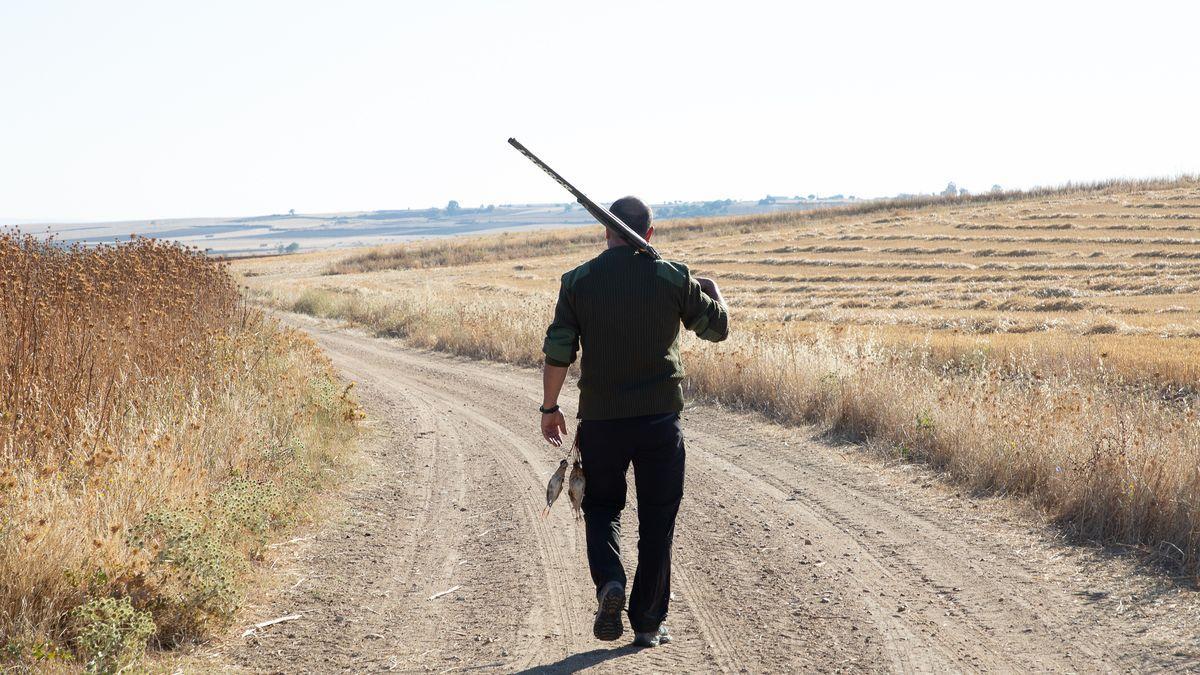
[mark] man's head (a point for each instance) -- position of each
(634, 213)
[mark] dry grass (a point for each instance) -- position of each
(1036, 356)
(442, 253)
(153, 432)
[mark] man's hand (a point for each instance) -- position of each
(553, 424)
(709, 287)
(554, 427)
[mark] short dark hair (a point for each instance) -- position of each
(634, 213)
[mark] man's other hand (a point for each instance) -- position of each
(554, 427)
(709, 287)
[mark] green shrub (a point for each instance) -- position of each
(110, 634)
(191, 572)
(247, 510)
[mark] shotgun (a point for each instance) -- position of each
(606, 218)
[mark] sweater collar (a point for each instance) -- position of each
(619, 250)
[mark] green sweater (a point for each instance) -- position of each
(625, 309)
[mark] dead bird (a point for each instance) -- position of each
(554, 487)
(575, 489)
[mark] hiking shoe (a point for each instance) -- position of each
(661, 636)
(608, 626)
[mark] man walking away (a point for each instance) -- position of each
(625, 308)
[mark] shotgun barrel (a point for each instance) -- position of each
(606, 218)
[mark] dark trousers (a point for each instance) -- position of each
(654, 444)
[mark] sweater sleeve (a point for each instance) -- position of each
(562, 337)
(702, 315)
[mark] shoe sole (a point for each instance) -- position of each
(608, 626)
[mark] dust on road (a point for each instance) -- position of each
(791, 555)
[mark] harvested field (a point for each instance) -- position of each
(1037, 355)
(987, 255)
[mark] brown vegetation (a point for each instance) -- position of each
(153, 432)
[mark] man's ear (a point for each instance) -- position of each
(649, 233)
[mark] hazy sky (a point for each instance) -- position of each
(114, 110)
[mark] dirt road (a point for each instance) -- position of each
(791, 555)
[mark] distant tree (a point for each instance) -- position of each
(997, 189)
(812, 196)
(452, 207)
(837, 196)
(490, 208)
(292, 247)
(291, 212)
(766, 201)
(963, 192)
(951, 190)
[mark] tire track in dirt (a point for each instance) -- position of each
(788, 557)
(553, 564)
(974, 596)
(976, 585)
(691, 614)
(482, 406)
(904, 642)
(520, 498)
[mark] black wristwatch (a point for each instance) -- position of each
(547, 411)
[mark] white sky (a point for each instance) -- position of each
(115, 110)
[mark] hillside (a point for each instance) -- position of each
(291, 232)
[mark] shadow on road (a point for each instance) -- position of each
(577, 662)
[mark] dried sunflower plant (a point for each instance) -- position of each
(154, 432)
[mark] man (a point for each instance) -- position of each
(625, 308)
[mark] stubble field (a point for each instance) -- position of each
(1042, 344)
